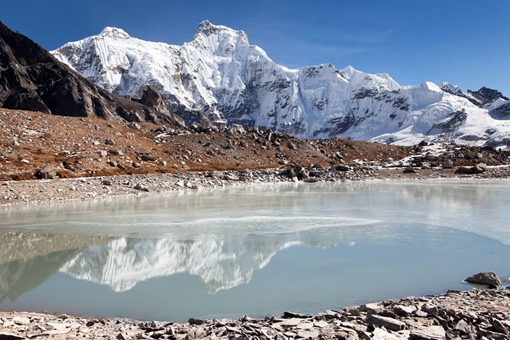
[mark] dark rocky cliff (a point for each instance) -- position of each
(486, 95)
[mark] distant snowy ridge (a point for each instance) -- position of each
(219, 77)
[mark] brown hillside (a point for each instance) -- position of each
(77, 147)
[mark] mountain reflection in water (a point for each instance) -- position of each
(220, 261)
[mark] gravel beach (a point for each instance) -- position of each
(474, 314)
(55, 190)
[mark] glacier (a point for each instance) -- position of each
(220, 78)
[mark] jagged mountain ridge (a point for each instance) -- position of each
(218, 76)
(483, 97)
(32, 79)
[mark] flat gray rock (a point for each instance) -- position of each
(386, 322)
(428, 333)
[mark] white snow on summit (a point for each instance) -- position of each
(219, 76)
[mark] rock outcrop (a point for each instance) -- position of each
(486, 96)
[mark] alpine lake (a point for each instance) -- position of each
(256, 250)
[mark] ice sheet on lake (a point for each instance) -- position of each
(223, 236)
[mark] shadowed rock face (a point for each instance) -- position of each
(502, 112)
(32, 79)
(486, 95)
(479, 98)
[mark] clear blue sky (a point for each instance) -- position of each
(466, 42)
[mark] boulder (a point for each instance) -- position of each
(405, 311)
(448, 164)
(383, 334)
(487, 278)
(229, 176)
(409, 170)
(463, 327)
(386, 322)
(288, 314)
(291, 172)
(291, 146)
(342, 168)
(501, 326)
(140, 187)
(465, 170)
(430, 157)
(471, 170)
(196, 322)
(47, 172)
(117, 152)
(371, 308)
(20, 320)
(237, 129)
(308, 334)
(10, 336)
(148, 157)
(479, 168)
(428, 333)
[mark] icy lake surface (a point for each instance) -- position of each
(256, 250)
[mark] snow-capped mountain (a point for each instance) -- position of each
(219, 77)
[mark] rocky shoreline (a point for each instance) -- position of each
(473, 314)
(56, 190)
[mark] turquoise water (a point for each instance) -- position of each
(257, 250)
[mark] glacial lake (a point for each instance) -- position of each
(256, 250)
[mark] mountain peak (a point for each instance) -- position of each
(207, 28)
(114, 32)
(491, 94)
(450, 88)
(430, 86)
(348, 70)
